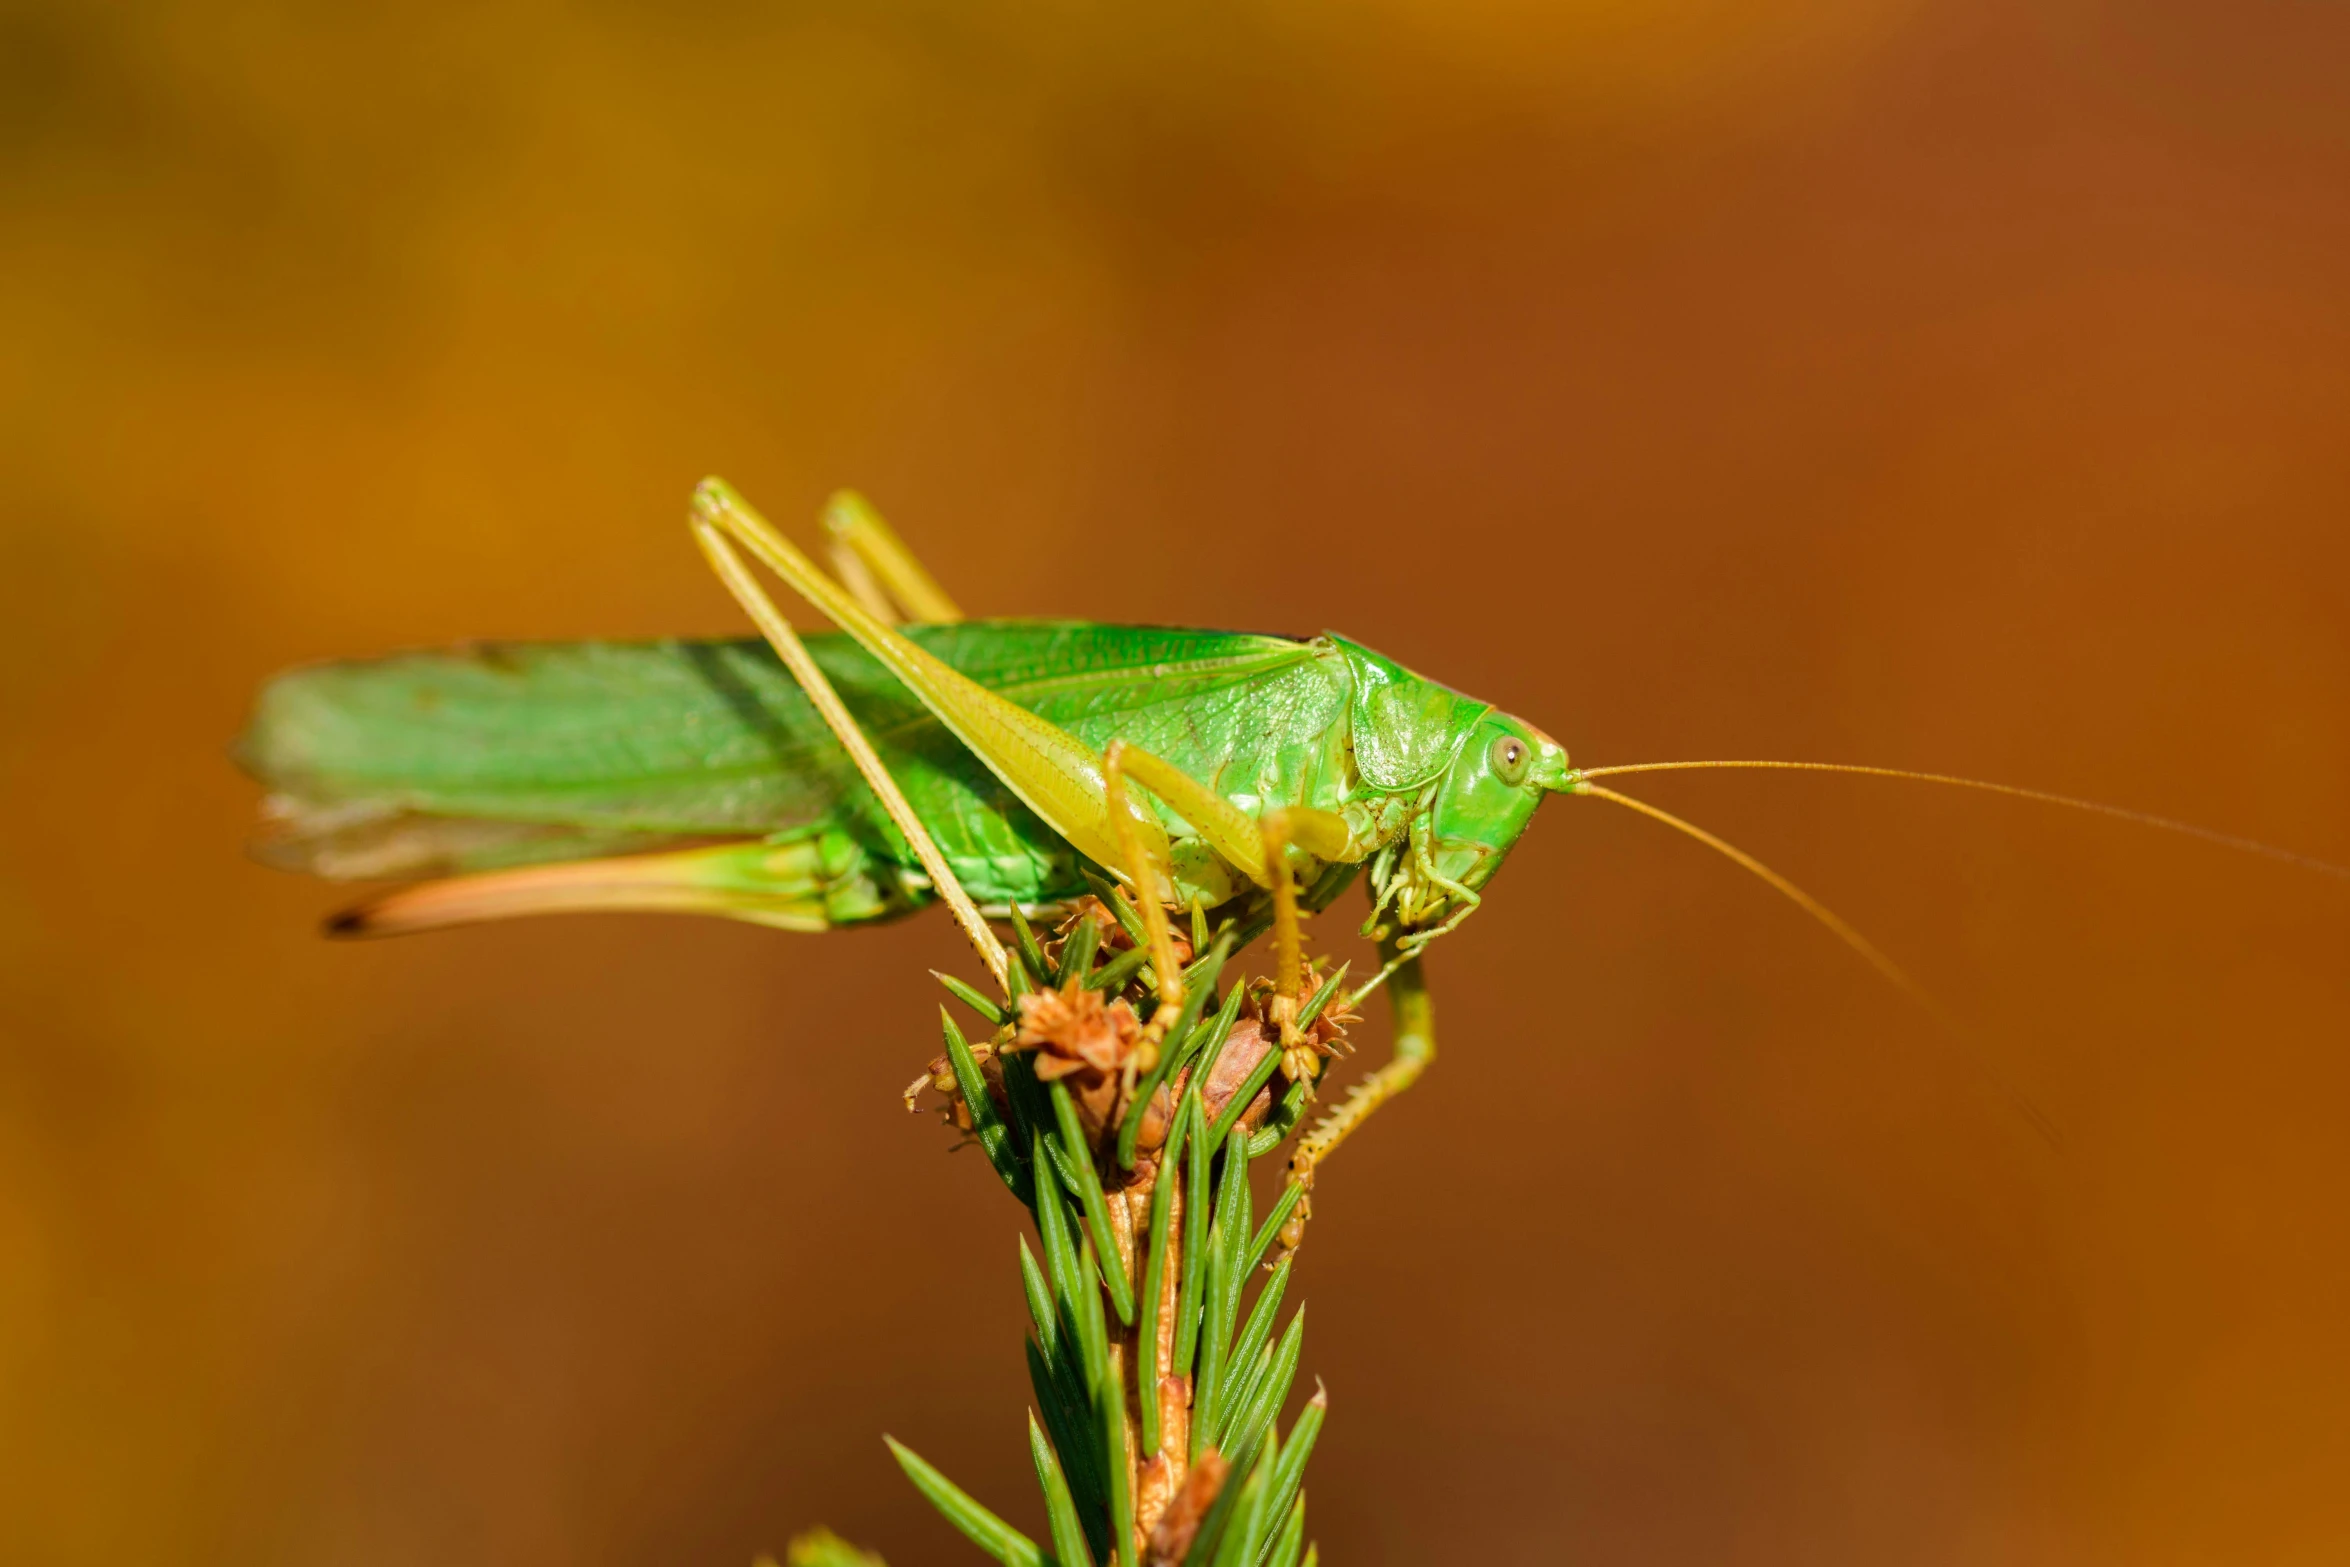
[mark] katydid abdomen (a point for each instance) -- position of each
(506, 755)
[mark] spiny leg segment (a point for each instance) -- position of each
(1415, 1047)
(1414, 1014)
(1415, 1035)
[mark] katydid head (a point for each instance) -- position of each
(1473, 814)
(1488, 795)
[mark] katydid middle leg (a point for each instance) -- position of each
(1259, 849)
(1415, 1047)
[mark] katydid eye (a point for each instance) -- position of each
(1510, 756)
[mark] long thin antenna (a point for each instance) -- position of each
(2042, 796)
(1844, 932)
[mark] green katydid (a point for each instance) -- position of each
(915, 756)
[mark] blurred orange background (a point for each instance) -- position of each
(1957, 386)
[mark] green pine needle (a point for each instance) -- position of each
(1093, 1333)
(1209, 1377)
(1254, 1521)
(1054, 1372)
(1245, 1527)
(1053, 1227)
(1211, 1049)
(1031, 955)
(1321, 998)
(1068, 1417)
(1249, 1362)
(1196, 1208)
(991, 1011)
(981, 1527)
(1114, 898)
(1112, 976)
(1283, 1206)
(1253, 1425)
(1154, 1278)
(1258, 1076)
(1283, 1119)
(1290, 1472)
(1238, 1232)
(1113, 1427)
(1077, 952)
(1283, 1552)
(1025, 1095)
(1040, 1300)
(1059, 1506)
(1097, 1208)
(987, 1126)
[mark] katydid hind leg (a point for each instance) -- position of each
(858, 578)
(787, 645)
(894, 578)
(1055, 774)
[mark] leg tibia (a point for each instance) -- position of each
(1415, 1047)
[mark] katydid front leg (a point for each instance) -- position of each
(1415, 1047)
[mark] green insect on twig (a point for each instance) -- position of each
(991, 766)
(813, 783)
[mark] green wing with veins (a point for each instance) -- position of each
(504, 754)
